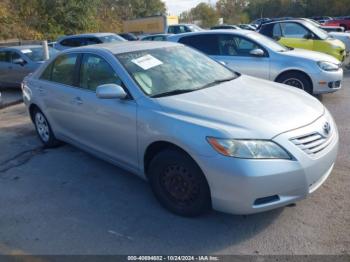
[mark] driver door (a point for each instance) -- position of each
(235, 53)
(296, 36)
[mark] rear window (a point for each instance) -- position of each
(207, 44)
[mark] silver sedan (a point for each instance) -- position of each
(253, 54)
(202, 135)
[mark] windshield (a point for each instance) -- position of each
(111, 38)
(317, 31)
(268, 42)
(36, 54)
(173, 70)
(195, 28)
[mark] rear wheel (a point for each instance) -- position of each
(43, 129)
(179, 184)
(296, 79)
(344, 26)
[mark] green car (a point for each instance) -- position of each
(303, 34)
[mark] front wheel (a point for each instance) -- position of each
(296, 79)
(43, 129)
(179, 184)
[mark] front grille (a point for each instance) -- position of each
(314, 143)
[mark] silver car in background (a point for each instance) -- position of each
(253, 54)
(71, 41)
(201, 134)
(18, 61)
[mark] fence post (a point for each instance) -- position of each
(46, 50)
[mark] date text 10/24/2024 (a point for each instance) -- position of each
(173, 258)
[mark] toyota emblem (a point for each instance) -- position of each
(326, 128)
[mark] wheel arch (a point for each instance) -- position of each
(32, 109)
(156, 147)
(294, 71)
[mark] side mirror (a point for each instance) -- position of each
(277, 38)
(19, 61)
(308, 36)
(257, 52)
(110, 91)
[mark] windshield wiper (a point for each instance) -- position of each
(182, 91)
(174, 92)
(216, 82)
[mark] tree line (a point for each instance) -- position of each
(244, 11)
(48, 19)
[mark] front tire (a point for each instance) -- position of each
(296, 79)
(179, 184)
(44, 130)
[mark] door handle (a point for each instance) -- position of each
(78, 101)
(41, 90)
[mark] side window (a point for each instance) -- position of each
(15, 56)
(235, 46)
(5, 57)
(293, 30)
(46, 75)
(95, 71)
(92, 41)
(171, 30)
(277, 33)
(72, 42)
(63, 70)
(207, 44)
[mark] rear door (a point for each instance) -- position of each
(4, 67)
(58, 89)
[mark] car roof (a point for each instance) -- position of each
(242, 32)
(125, 47)
(20, 47)
(86, 35)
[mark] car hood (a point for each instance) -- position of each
(246, 107)
(311, 55)
(340, 35)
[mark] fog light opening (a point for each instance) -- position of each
(266, 200)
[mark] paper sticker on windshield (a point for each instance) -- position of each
(26, 51)
(147, 61)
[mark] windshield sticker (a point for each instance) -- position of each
(26, 51)
(147, 61)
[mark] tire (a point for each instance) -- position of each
(44, 130)
(296, 79)
(179, 184)
(345, 27)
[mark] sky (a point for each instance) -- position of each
(175, 7)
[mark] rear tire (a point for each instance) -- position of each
(179, 184)
(296, 79)
(44, 130)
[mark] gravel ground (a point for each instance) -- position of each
(64, 201)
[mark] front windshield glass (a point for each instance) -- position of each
(195, 28)
(111, 38)
(173, 70)
(36, 54)
(317, 31)
(268, 42)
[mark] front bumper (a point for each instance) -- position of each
(241, 186)
(327, 81)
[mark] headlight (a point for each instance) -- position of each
(253, 149)
(328, 66)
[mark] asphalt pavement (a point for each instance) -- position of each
(65, 201)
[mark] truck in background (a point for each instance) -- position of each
(149, 25)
